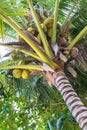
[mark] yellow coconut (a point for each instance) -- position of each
(17, 73)
(25, 74)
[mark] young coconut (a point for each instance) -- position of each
(48, 22)
(17, 73)
(25, 74)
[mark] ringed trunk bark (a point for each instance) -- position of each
(75, 105)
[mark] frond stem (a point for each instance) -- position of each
(32, 54)
(30, 67)
(42, 35)
(78, 37)
(30, 42)
(53, 40)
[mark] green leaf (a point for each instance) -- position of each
(13, 10)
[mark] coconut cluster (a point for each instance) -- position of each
(18, 73)
(62, 55)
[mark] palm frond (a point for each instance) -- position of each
(81, 59)
(36, 87)
(80, 17)
(79, 13)
(14, 9)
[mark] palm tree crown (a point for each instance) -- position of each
(47, 47)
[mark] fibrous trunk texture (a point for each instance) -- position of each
(75, 105)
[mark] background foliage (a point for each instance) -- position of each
(32, 104)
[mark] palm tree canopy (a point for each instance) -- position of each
(37, 45)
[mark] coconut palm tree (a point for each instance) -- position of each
(47, 47)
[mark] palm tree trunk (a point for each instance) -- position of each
(75, 105)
